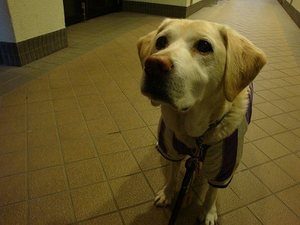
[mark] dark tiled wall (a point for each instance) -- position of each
(156, 9)
(165, 10)
(21, 53)
(293, 13)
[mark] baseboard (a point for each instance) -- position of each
(291, 11)
(24, 52)
(165, 10)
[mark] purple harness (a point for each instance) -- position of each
(229, 147)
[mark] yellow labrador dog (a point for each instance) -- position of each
(200, 73)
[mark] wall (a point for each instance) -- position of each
(6, 32)
(30, 29)
(296, 4)
(31, 18)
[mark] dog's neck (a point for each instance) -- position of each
(196, 122)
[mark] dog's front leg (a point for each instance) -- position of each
(165, 195)
(209, 212)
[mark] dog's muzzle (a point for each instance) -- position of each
(157, 72)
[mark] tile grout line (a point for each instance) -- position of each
(62, 155)
(98, 156)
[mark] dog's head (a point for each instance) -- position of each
(185, 61)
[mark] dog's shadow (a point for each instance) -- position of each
(150, 214)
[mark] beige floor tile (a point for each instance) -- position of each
(270, 126)
(62, 93)
(40, 107)
(12, 163)
(15, 98)
(47, 136)
(243, 183)
(65, 104)
(40, 121)
(270, 174)
(12, 189)
(254, 132)
(59, 83)
(72, 131)
(153, 129)
(291, 165)
(111, 93)
(46, 181)
(290, 197)
(269, 109)
(268, 95)
(131, 190)
(286, 106)
(119, 164)
(272, 148)
(227, 200)
(110, 143)
(12, 112)
(85, 90)
(156, 178)
(271, 211)
(53, 209)
(102, 126)
(110, 219)
(151, 117)
(125, 116)
(13, 126)
(95, 112)
(252, 156)
(13, 143)
(143, 155)
(89, 100)
(138, 138)
(144, 214)
(68, 117)
(289, 140)
(287, 121)
(38, 84)
(84, 172)
(92, 201)
(44, 156)
(39, 96)
(77, 149)
(14, 214)
(257, 114)
(235, 218)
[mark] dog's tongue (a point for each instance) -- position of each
(154, 103)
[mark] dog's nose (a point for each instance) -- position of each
(158, 65)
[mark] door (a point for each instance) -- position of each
(79, 10)
(73, 11)
(100, 7)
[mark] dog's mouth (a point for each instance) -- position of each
(157, 102)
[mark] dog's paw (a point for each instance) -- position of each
(209, 218)
(163, 198)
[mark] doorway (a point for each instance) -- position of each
(79, 10)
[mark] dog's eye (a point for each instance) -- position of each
(204, 46)
(161, 42)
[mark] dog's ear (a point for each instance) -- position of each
(243, 62)
(144, 45)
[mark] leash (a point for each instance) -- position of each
(191, 165)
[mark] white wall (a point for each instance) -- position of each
(6, 30)
(32, 18)
(296, 4)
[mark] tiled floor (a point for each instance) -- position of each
(77, 137)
